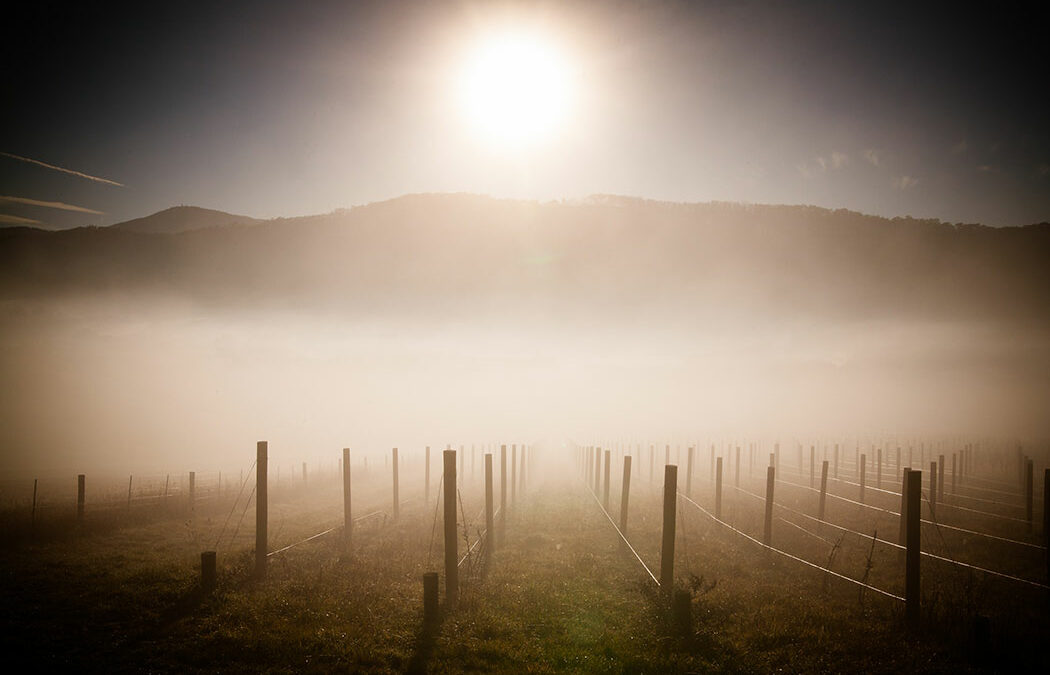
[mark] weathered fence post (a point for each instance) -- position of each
(770, 480)
(208, 571)
(193, 489)
(513, 473)
(878, 469)
(129, 491)
(605, 489)
(933, 490)
(1028, 489)
(430, 598)
(689, 472)
(260, 509)
(954, 480)
(718, 488)
(667, 548)
(863, 467)
(80, 497)
(682, 612)
(902, 536)
(736, 477)
(940, 479)
(397, 499)
(1046, 517)
(911, 573)
(348, 521)
(490, 532)
(823, 489)
(426, 476)
(521, 475)
(451, 558)
(836, 461)
(812, 465)
(625, 492)
(597, 470)
(502, 492)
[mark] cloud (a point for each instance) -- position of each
(58, 168)
(905, 182)
(873, 156)
(8, 219)
(839, 160)
(49, 205)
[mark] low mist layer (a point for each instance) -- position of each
(435, 319)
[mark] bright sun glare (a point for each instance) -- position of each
(515, 90)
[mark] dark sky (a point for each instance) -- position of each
(280, 109)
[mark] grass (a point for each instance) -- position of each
(561, 595)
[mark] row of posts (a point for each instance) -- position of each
(910, 520)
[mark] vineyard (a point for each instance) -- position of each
(638, 557)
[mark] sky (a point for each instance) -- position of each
(281, 109)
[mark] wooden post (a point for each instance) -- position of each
(502, 492)
(902, 537)
(689, 472)
(912, 555)
(897, 471)
(513, 473)
(426, 476)
(451, 551)
(129, 491)
(490, 531)
(521, 473)
(770, 480)
(304, 474)
(736, 476)
(208, 571)
(397, 498)
(1046, 517)
(682, 612)
(260, 509)
(625, 492)
(718, 488)
(597, 470)
(933, 490)
(878, 469)
(862, 468)
(193, 489)
(80, 497)
(348, 521)
(1028, 493)
(605, 489)
(430, 598)
(667, 549)
(836, 461)
(940, 478)
(823, 489)
(812, 464)
(954, 480)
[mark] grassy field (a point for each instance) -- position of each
(561, 595)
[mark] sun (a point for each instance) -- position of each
(515, 90)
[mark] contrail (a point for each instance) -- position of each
(49, 205)
(8, 219)
(58, 168)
